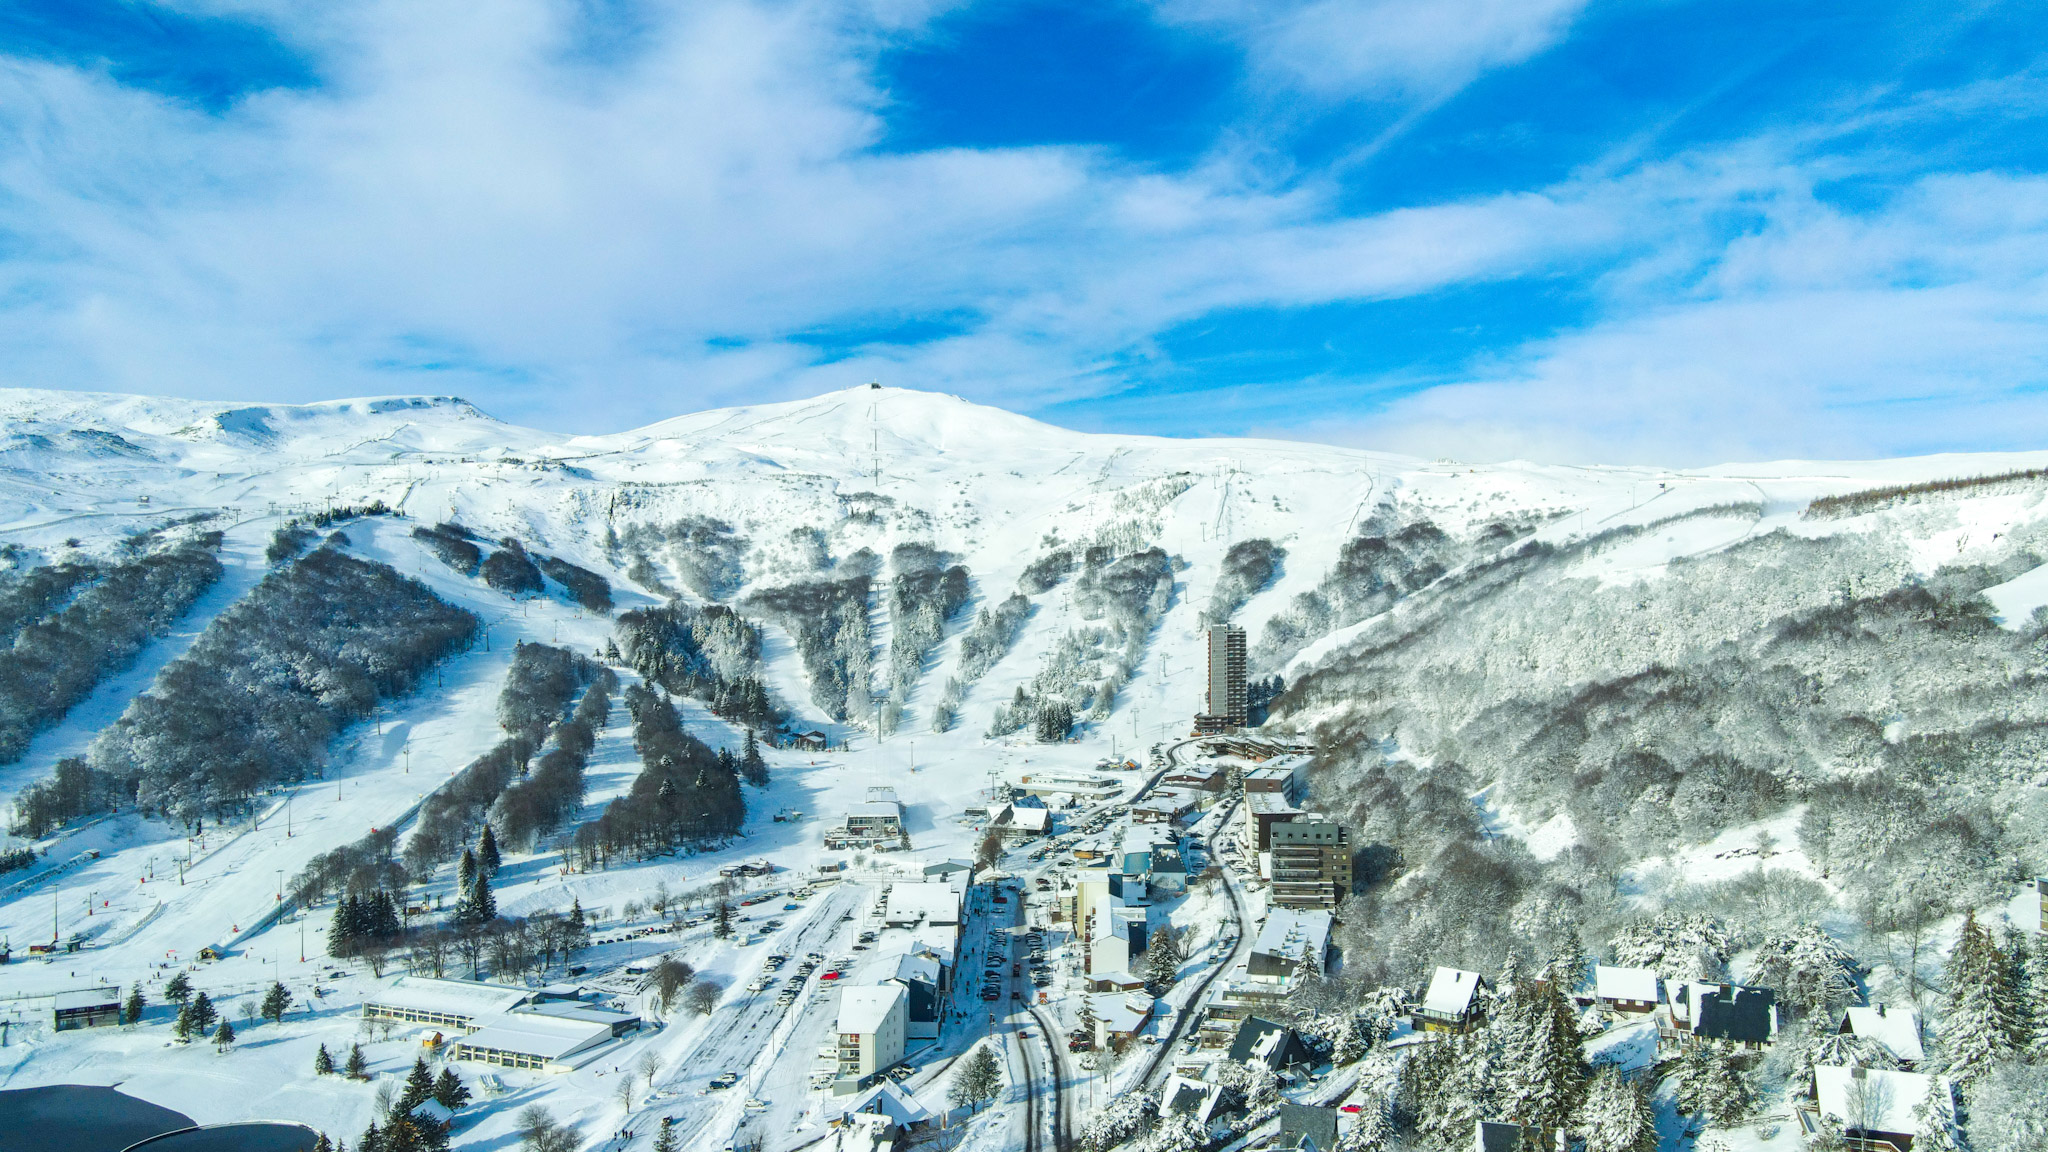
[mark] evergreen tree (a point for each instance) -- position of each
(1711, 1088)
(419, 1087)
(1467, 1094)
(1372, 1130)
(323, 1144)
(372, 1139)
(1616, 1115)
(224, 1036)
(1571, 966)
(178, 989)
(203, 1014)
(131, 1009)
(1543, 1070)
(465, 872)
(1162, 962)
(356, 1065)
(275, 1002)
(578, 936)
(487, 858)
(450, 1090)
(1983, 1024)
(323, 1062)
(665, 1139)
(344, 932)
(478, 905)
(183, 1027)
(1935, 1122)
(752, 766)
(721, 924)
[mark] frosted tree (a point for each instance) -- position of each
(1372, 1130)
(2009, 1109)
(2035, 977)
(1710, 1087)
(1616, 1115)
(1934, 1121)
(1542, 1075)
(1982, 1024)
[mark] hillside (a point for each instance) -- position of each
(1547, 700)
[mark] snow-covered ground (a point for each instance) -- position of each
(993, 490)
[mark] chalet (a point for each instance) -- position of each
(1728, 1012)
(1163, 806)
(1198, 778)
(1875, 1108)
(91, 1008)
(1628, 991)
(1120, 1016)
(1898, 1029)
(1453, 1002)
(1187, 1096)
(1022, 820)
(1278, 1047)
(812, 741)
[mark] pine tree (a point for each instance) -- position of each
(356, 1065)
(450, 1090)
(1935, 1122)
(224, 1036)
(665, 1140)
(372, 1139)
(323, 1062)
(1162, 962)
(419, 1086)
(1373, 1130)
(275, 1002)
(1617, 1115)
(1983, 1024)
(178, 989)
(752, 766)
(579, 928)
(131, 1010)
(344, 931)
(1571, 966)
(203, 1014)
(183, 1027)
(487, 858)
(1710, 1087)
(1547, 1072)
(323, 1144)
(465, 872)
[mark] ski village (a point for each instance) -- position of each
(882, 772)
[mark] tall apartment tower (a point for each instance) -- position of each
(1224, 706)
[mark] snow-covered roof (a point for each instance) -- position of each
(877, 808)
(1873, 1099)
(1625, 983)
(434, 1110)
(577, 1011)
(891, 1101)
(918, 966)
(935, 902)
(1898, 1029)
(1287, 932)
(1122, 1011)
(542, 1037)
(454, 997)
(864, 1010)
(1450, 991)
(1185, 1094)
(86, 998)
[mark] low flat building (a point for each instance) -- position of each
(455, 1004)
(1120, 1015)
(1088, 786)
(88, 1008)
(533, 1040)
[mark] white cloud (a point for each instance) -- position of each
(1387, 48)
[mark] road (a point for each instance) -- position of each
(754, 1036)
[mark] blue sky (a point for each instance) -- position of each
(1559, 229)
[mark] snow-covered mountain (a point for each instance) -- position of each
(1546, 698)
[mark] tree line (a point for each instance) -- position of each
(258, 697)
(685, 794)
(711, 654)
(59, 654)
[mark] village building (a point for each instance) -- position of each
(460, 1005)
(1204, 778)
(1307, 1128)
(1163, 806)
(555, 1041)
(872, 1026)
(877, 823)
(1225, 703)
(1878, 1109)
(1627, 991)
(1897, 1029)
(1280, 1048)
(1747, 1017)
(1285, 937)
(1051, 784)
(1021, 820)
(1263, 810)
(921, 977)
(1289, 780)
(1452, 1002)
(1309, 862)
(1120, 1016)
(87, 1008)
(1188, 1096)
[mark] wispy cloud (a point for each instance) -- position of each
(595, 214)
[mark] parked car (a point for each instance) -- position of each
(724, 1080)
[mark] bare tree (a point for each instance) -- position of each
(650, 1064)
